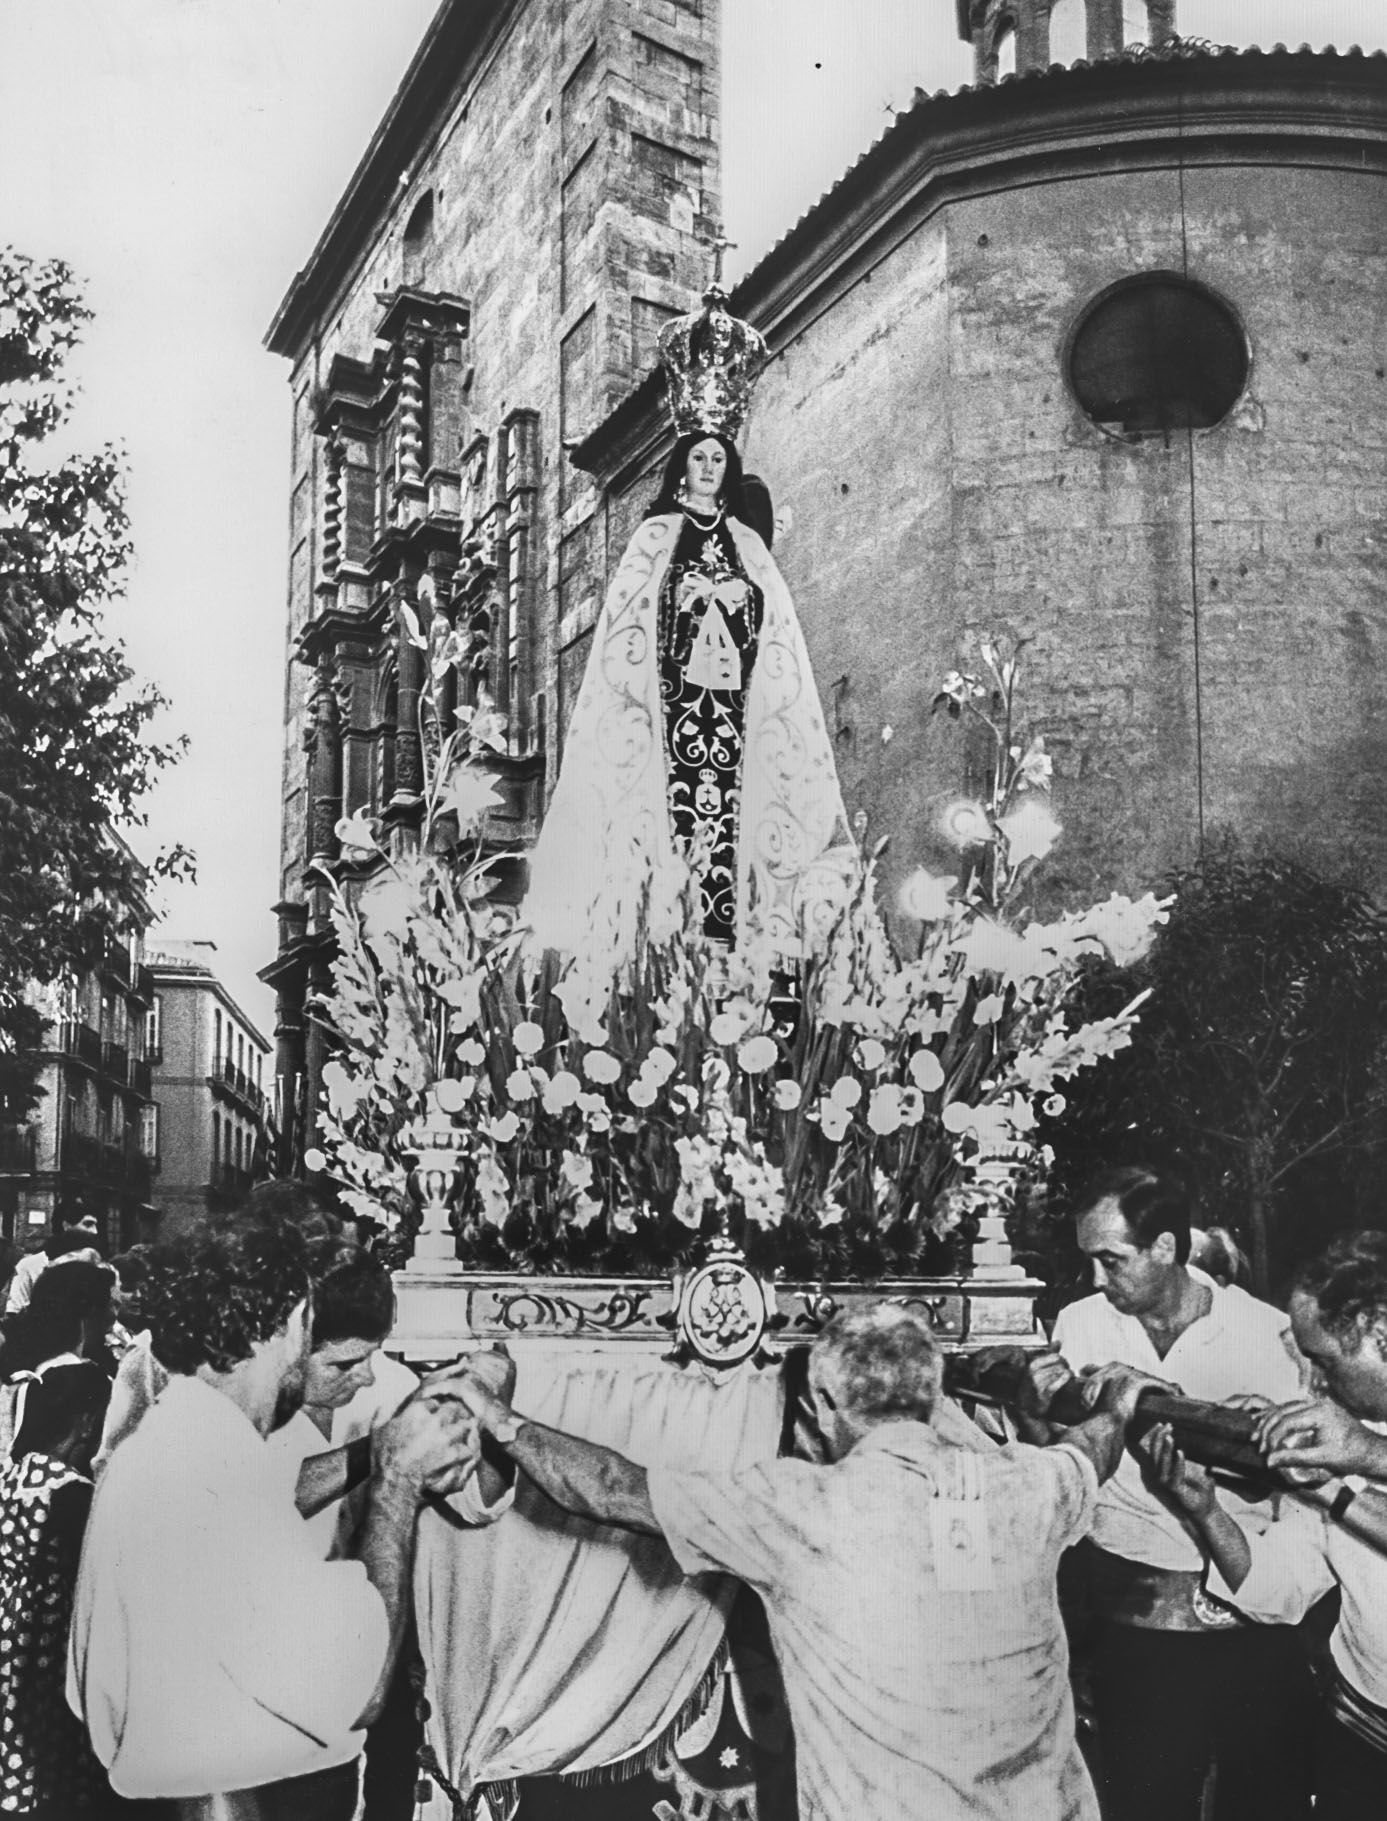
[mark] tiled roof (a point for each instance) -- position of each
(930, 111)
(927, 104)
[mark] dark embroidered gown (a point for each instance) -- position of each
(709, 630)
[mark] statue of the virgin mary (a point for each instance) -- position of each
(697, 730)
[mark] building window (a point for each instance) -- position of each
(1136, 23)
(216, 1041)
(417, 238)
(216, 1138)
(154, 1031)
(1004, 50)
(1158, 353)
(149, 1132)
(1068, 31)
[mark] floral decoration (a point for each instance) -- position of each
(844, 1122)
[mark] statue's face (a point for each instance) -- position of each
(703, 477)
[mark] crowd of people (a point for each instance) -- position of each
(212, 1474)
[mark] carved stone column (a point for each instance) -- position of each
(290, 982)
(324, 739)
(412, 408)
(1105, 30)
(409, 768)
(332, 508)
(519, 566)
(1160, 16)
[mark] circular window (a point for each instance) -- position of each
(1158, 353)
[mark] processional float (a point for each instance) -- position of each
(695, 1104)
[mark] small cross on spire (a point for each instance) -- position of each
(719, 244)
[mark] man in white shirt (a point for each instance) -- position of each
(215, 1657)
(909, 1580)
(351, 1390)
(78, 1240)
(1335, 1532)
(1179, 1679)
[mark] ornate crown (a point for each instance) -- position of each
(711, 361)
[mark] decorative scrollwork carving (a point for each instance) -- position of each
(817, 1308)
(525, 1309)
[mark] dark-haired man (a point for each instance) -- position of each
(1179, 1679)
(909, 1580)
(1334, 1446)
(215, 1657)
(77, 1238)
(351, 1391)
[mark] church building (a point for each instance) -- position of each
(537, 203)
(1092, 353)
(1095, 357)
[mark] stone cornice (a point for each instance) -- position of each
(1162, 111)
(293, 960)
(332, 626)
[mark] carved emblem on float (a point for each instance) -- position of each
(724, 1308)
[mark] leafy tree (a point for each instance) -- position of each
(76, 754)
(1260, 1063)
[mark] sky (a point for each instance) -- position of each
(184, 156)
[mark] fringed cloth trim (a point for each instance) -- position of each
(502, 1798)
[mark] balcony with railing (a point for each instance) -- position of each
(239, 1086)
(82, 1155)
(227, 1180)
(119, 1163)
(115, 961)
(81, 1041)
(136, 1173)
(115, 1062)
(19, 1150)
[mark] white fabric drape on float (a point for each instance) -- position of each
(555, 1645)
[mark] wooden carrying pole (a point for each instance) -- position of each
(1210, 1434)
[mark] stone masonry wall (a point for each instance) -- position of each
(934, 477)
(575, 187)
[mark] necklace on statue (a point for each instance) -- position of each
(702, 524)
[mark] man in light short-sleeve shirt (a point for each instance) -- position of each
(909, 1581)
(213, 1651)
(1228, 1693)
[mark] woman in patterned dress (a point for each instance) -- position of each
(68, 1319)
(47, 1769)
